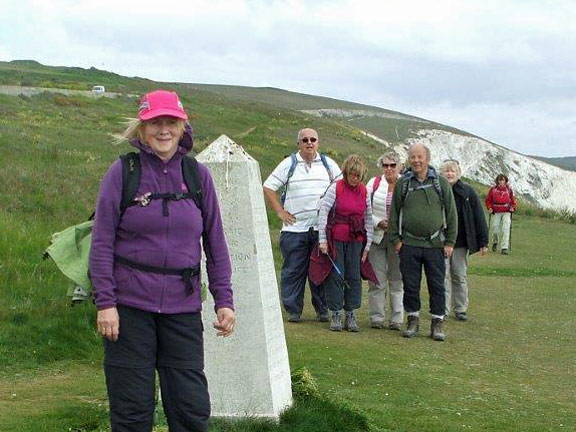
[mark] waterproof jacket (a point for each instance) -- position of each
(471, 219)
(147, 236)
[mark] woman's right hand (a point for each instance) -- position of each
(108, 323)
(323, 247)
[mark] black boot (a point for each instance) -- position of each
(436, 332)
(412, 327)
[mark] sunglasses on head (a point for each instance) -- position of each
(311, 139)
(390, 165)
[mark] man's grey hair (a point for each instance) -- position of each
(390, 155)
(302, 130)
(428, 155)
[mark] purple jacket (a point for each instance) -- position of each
(144, 235)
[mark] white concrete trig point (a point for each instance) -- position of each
(248, 373)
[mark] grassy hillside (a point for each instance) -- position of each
(507, 369)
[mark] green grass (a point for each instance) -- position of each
(509, 368)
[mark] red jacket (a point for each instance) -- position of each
(500, 199)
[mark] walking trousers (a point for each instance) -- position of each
(296, 248)
(500, 229)
(172, 344)
(386, 265)
(456, 282)
(412, 259)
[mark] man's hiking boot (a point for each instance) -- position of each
(322, 317)
(494, 247)
(436, 332)
(505, 252)
(412, 327)
(377, 325)
(395, 326)
(294, 317)
(350, 323)
(461, 316)
(336, 321)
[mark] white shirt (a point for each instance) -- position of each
(306, 186)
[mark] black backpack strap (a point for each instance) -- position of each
(192, 180)
(130, 179)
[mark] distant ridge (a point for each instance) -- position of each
(567, 163)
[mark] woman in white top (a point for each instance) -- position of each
(384, 260)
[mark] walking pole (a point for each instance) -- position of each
(338, 271)
(510, 236)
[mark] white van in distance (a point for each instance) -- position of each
(98, 89)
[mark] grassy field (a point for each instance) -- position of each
(510, 368)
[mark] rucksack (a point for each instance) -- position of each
(406, 189)
(70, 248)
(501, 197)
(293, 163)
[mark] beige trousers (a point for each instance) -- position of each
(500, 229)
(386, 265)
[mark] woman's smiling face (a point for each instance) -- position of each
(162, 135)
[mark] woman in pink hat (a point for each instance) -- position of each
(144, 266)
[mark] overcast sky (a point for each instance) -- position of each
(503, 70)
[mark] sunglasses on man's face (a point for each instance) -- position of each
(390, 165)
(312, 140)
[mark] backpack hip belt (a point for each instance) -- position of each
(187, 273)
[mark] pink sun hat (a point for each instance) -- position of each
(161, 103)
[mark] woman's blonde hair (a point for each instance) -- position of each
(354, 164)
(452, 165)
(135, 129)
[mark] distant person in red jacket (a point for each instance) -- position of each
(501, 204)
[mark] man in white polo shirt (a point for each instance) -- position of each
(304, 176)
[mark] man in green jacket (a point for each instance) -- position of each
(423, 227)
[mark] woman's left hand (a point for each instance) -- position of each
(364, 255)
(226, 322)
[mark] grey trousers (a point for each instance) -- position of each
(386, 265)
(456, 281)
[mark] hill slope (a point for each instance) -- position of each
(265, 121)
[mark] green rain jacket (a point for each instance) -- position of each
(70, 251)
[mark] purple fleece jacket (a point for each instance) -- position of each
(144, 235)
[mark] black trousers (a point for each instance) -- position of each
(172, 344)
(412, 259)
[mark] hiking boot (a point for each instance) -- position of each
(336, 321)
(505, 252)
(461, 316)
(294, 317)
(377, 325)
(395, 326)
(436, 332)
(412, 327)
(494, 247)
(322, 317)
(350, 323)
